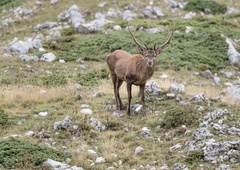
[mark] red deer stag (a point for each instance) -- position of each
(133, 69)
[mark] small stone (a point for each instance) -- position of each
(43, 114)
(116, 114)
(170, 95)
(164, 167)
(198, 98)
(175, 147)
(223, 167)
(29, 133)
(163, 76)
(175, 87)
(126, 129)
(138, 108)
(207, 74)
(43, 91)
(75, 127)
(86, 111)
(98, 126)
(152, 88)
(179, 166)
(84, 106)
(145, 129)
(217, 80)
(138, 150)
(61, 61)
(92, 152)
(228, 74)
(100, 160)
(117, 28)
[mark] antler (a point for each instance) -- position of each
(167, 41)
(136, 41)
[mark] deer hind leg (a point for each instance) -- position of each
(142, 88)
(129, 90)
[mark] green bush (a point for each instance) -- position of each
(3, 117)
(195, 156)
(201, 5)
(15, 153)
(54, 80)
(68, 31)
(178, 115)
(6, 4)
(209, 48)
(92, 77)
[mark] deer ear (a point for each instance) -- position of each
(141, 49)
(158, 50)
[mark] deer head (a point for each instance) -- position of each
(149, 54)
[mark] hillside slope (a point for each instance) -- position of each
(57, 102)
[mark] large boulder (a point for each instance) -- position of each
(233, 54)
(152, 88)
(27, 58)
(178, 88)
(65, 124)
(234, 92)
(49, 57)
(55, 165)
(46, 25)
(21, 47)
(73, 15)
(97, 125)
(128, 15)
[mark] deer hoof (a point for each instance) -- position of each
(123, 108)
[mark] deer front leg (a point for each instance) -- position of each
(115, 82)
(119, 101)
(142, 88)
(129, 90)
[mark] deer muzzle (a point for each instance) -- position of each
(149, 63)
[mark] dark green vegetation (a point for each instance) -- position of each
(92, 77)
(209, 46)
(21, 84)
(16, 153)
(177, 115)
(202, 5)
(3, 117)
(53, 80)
(7, 4)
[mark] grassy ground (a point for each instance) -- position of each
(29, 88)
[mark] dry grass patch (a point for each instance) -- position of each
(194, 85)
(22, 96)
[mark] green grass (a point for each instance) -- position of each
(203, 48)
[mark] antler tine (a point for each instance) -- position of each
(134, 38)
(168, 40)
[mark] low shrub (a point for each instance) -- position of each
(15, 153)
(178, 115)
(54, 80)
(3, 117)
(92, 77)
(195, 156)
(201, 5)
(7, 4)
